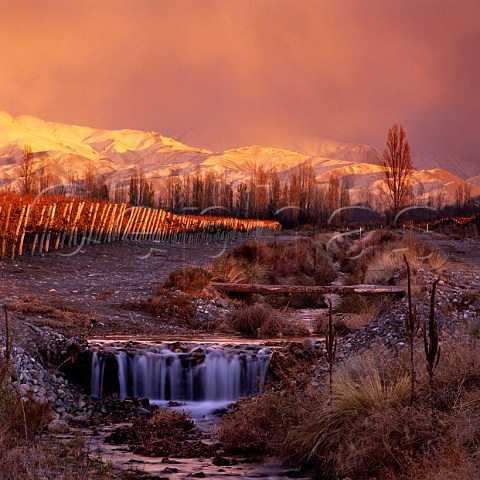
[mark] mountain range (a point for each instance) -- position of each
(70, 150)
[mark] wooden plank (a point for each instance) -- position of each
(279, 289)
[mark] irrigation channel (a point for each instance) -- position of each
(203, 378)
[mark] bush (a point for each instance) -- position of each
(364, 399)
(260, 425)
(190, 279)
(261, 319)
(173, 307)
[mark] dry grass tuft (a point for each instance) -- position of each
(260, 425)
(382, 267)
(54, 314)
(363, 398)
(27, 453)
(228, 269)
(352, 313)
(263, 320)
(189, 279)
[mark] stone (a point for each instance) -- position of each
(23, 389)
(58, 426)
(79, 419)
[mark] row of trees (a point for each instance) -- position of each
(293, 199)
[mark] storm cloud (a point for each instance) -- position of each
(226, 73)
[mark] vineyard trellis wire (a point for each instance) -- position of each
(33, 225)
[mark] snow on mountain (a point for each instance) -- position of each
(463, 168)
(475, 180)
(357, 153)
(70, 149)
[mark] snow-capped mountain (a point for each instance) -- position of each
(69, 150)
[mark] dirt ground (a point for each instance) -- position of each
(98, 279)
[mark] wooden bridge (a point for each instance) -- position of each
(301, 289)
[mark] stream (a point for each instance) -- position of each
(203, 377)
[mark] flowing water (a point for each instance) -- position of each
(204, 375)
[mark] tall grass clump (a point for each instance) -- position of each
(191, 279)
(262, 320)
(355, 430)
(229, 269)
(260, 425)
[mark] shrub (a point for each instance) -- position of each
(261, 319)
(18, 417)
(353, 304)
(228, 269)
(174, 307)
(260, 424)
(27, 454)
(363, 397)
(189, 279)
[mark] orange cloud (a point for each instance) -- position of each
(254, 71)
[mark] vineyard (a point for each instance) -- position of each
(30, 225)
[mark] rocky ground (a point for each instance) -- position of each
(457, 298)
(99, 279)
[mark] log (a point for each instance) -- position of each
(300, 289)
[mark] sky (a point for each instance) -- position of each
(227, 73)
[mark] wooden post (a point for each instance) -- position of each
(92, 225)
(61, 227)
(35, 238)
(17, 231)
(99, 230)
(111, 223)
(143, 224)
(73, 233)
(5, 232)
(50, 214)
(131, 218)
(49, 231)
(67, 224)
(8, 347)
(24, 229)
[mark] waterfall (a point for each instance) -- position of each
(207, 374)
(98, 370)
(122, 374)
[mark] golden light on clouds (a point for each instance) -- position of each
(225, 73)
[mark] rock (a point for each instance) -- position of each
(23, 389)
(66, 417)
(79, 419)
(39, 399)
(223, 462)
(58, 426)
(52, 415)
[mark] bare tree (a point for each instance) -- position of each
(27, 170)
(397, 169)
